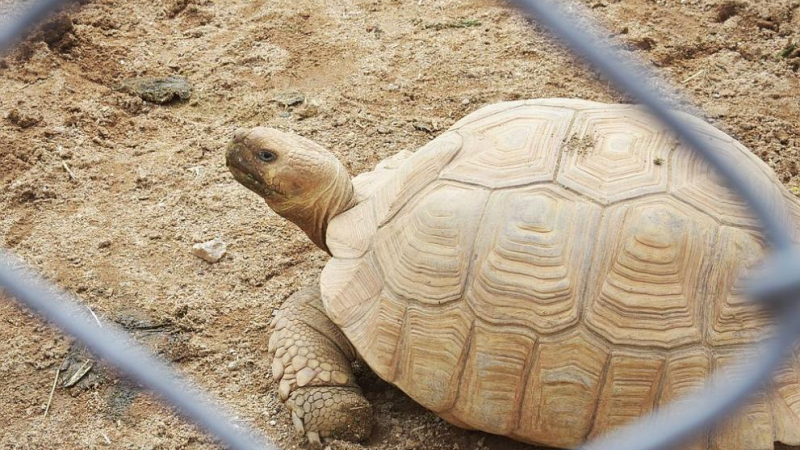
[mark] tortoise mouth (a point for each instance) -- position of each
(240, 171)
(249, 181)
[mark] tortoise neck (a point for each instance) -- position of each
(313, 212)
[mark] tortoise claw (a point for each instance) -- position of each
(284, 389)
(313, 438)
(298, 423)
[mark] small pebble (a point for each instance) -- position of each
(425, 126)
(308, 111)
(54, 131)
(273, 422)
(211, 251)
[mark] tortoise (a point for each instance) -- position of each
(546, 270)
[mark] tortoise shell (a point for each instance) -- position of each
(551, 269)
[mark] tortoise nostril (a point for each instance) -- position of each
(239, 134)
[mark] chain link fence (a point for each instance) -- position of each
(777, 285)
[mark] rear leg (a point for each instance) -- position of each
(312, 366)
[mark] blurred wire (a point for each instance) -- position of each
(13, 29)
(119, 349)
(688, 417)
(620, 71)
(682, 420)
(108, 342)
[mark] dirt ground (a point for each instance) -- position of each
(106, 194)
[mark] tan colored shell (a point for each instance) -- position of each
(550, 269)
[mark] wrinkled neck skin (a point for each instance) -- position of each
(314, 210)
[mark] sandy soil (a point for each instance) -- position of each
(106, 194)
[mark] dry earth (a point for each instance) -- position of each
(106, 194)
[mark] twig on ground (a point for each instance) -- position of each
(69, 171)
(52, 390)
(95, 316)
(82, 371)
(697, 74)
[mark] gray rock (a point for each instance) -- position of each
(158, 90)
(287, 99)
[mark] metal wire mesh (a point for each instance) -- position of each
(663, 430)
(107, 341)
(118, 348)
(684, 418)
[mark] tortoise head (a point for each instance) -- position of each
(298, 178)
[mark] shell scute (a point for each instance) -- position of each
(647, 284)
(431, 358)
(735, 319)
(630, 390)
(751, 427)
(350, 234)
(685, 374)
(416, 173)
(562, 391)
(786, 401)
(513, 147)
(695, 182)
(426, 250)
(377, 333)
(617, 154)
(494, 375)
(536, 242)
(349, 288)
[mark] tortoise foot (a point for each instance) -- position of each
(335, 412)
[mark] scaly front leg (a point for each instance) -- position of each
(312, 365)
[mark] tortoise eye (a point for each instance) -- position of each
(267, 156)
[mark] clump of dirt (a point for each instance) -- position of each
(106, 194)
(726, 10)
(57, 31)
(580, 145)
(23, 119)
